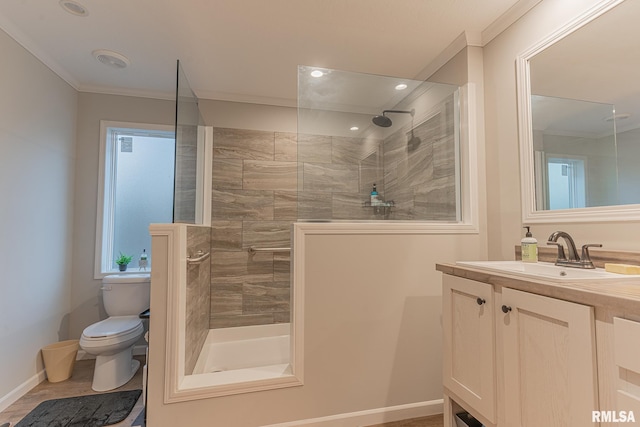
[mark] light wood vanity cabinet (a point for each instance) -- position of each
(514, 358)
(549, 354)
(469, 343)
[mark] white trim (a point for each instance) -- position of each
(176, 270)
(443, 57)
(371, 416)
(384, 227)
(515, 12)
(530, 214)
(124, 91)
(15, 394)
(469, 159)
(105, 190)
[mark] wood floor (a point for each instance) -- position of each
(431, 421)
(78, 385)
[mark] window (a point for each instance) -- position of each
(567, 184)
(135, 189)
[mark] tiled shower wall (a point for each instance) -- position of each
(255, 199)
(256, 175)
(197, 295)
(420, 170)
(184, 205)
(253, 204)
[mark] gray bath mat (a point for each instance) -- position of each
(95, 410)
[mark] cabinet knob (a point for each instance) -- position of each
(480, 301)
(506, 309)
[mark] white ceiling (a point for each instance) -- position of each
(247, 50)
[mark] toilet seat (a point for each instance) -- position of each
(113, 330)
(112, 326)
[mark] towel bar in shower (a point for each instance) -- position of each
(253, 249)
(200, 256)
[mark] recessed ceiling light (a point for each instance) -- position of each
(111, 58)
(401, 86)
(317, 73)
(354, 128)
(74, 8)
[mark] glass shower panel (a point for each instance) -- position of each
(189, 127)
(357, 132)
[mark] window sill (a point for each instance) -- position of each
(102, 274)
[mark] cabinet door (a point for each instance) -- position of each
(549, 361)
(469, 343)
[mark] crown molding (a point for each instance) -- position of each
(445, 56)
(28, 44)
(505, 20)
(121, 91)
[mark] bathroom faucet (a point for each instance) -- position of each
(572, 260)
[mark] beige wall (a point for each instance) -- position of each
(37, 142)
(238, 115)
(372, 336)
(86, 305)
(503, 183)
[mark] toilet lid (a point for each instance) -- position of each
(112, 326)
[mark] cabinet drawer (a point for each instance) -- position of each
(626, 349)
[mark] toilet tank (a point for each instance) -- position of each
(126, 294)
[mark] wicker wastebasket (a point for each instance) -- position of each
(59, 359)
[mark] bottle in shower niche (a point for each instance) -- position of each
(375, 200)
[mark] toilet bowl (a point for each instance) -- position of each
(112, 340)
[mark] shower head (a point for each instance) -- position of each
(382, 121)
(385, 122)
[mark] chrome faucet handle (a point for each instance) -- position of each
(561, 255)
(585, 252)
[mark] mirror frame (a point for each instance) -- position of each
(525, 135)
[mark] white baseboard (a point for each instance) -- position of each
(371, 416)
(15, 394)
(138, 350)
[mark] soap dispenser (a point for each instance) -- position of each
(529, 247)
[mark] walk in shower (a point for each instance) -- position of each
(235, 309)
(357, 131)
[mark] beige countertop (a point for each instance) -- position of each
(620, 295)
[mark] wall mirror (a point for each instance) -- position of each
(579, 119)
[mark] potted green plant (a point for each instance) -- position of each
(123, 260)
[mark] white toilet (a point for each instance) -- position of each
(125, 296)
